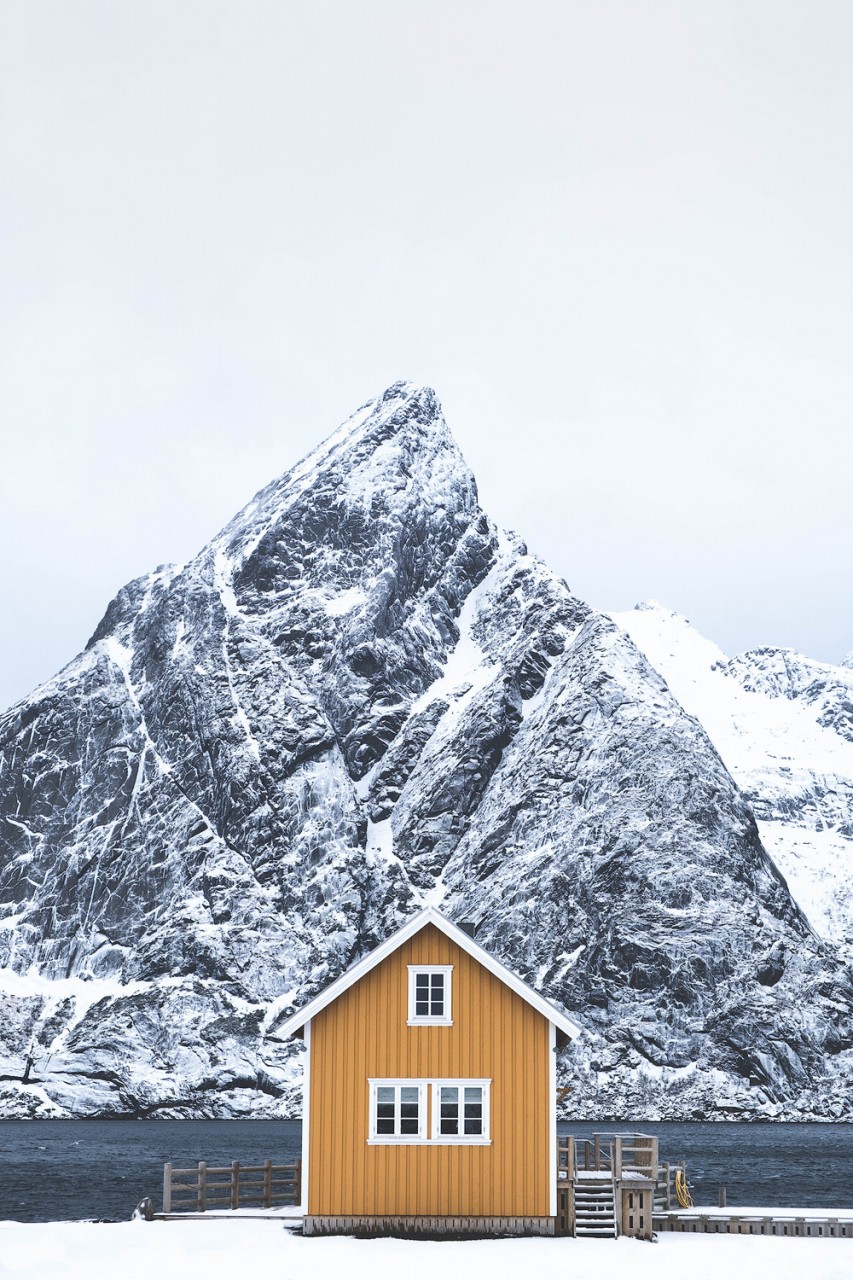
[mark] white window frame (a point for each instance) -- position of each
(483, 1139)
(397, 1139)
(446, 1020)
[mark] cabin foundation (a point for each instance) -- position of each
(424, 1226)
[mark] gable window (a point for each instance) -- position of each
(398, 1111)
(430, 995)
(460, 1111)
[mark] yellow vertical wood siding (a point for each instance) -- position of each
(495, 1035)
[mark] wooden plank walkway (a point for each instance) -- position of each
(750, 1221)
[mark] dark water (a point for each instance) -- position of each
(798, 1165)
(61, 1169)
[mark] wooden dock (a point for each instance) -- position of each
(615, 1184)
(758, 1222)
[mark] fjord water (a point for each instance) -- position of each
(54, 1170)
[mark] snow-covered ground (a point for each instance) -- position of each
(209, 1250)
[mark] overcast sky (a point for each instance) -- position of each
(614, 236)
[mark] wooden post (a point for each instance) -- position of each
(267, 1183)
(297, 1182)
(655, 1157)
(617, 1157)
(202, 1186)
(596, 1138)
(570, 1156)
(668, 1197)
(722, 1197)
(167, 1187)
(235, 1184)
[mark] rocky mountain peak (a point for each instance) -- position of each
(359, 697)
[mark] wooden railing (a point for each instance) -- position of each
(615, 1153)
(640, 1154)
(234, 1186)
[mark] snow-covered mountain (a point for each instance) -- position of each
(362, 696)
(783, 725)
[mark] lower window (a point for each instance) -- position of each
(397, 1111)
(458, 1111)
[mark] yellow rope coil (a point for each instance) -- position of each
(682, 1191)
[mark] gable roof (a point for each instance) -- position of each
(429, 916)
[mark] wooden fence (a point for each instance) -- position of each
(233, 1186)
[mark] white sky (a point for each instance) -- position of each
(615, 236)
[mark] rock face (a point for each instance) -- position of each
(784, 726)
(359, 698)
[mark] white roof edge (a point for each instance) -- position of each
(429, 916)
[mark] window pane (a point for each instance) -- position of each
(437, 980)
(422, 982)
(386, 1097)
(409, 1110)
(474, 1109)
(422, 1008)
(437, 1006)
(449, 1110)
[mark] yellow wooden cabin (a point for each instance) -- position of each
(430, 1092)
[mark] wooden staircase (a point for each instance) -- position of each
(605, 1185)
(595, 1207)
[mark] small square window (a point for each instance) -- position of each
(429, 995)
